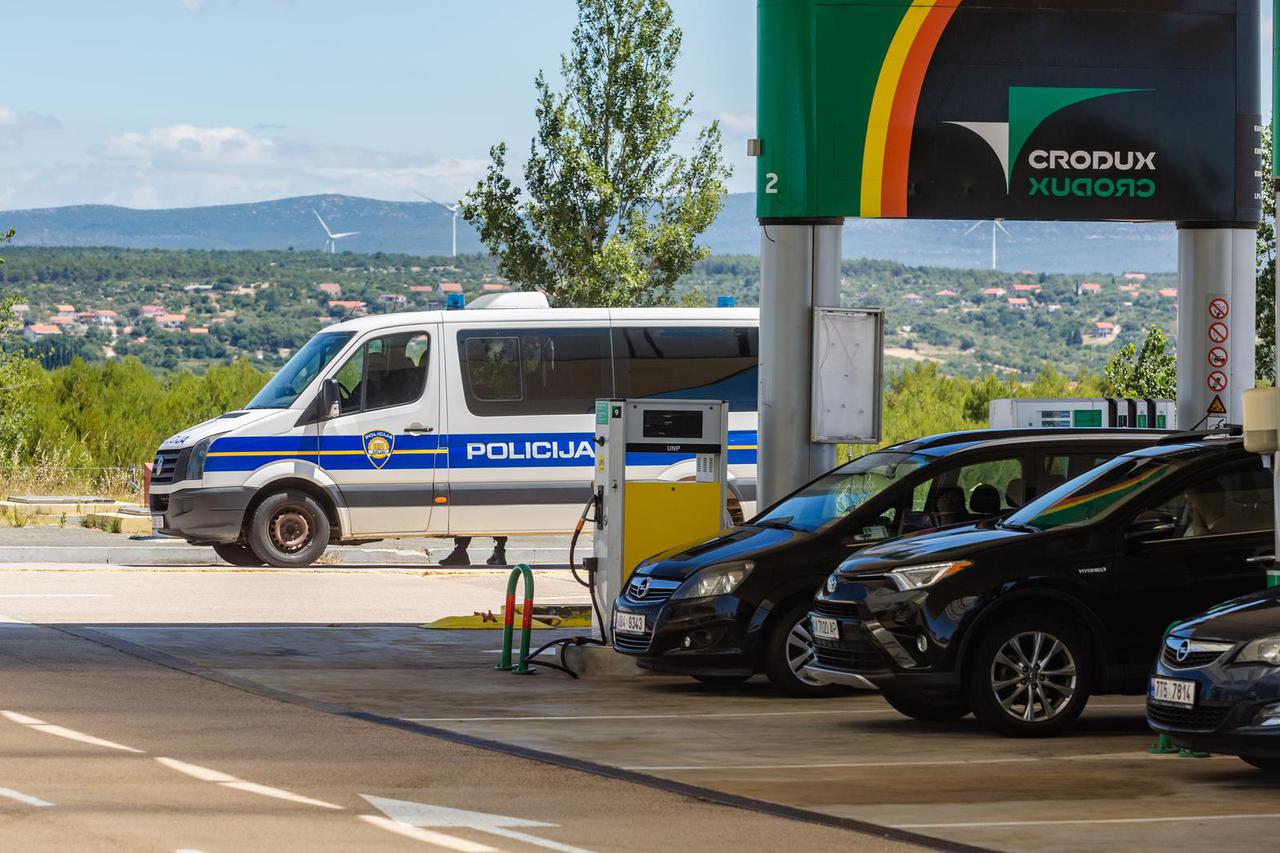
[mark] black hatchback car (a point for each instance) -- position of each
(1216, 683)
(727, 608)
(1019, 620)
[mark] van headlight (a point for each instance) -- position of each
(1263, 650)
(715, 580)
(927, 574)
(195, 464)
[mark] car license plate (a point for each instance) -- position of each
(1173, 691)
(628, 623)
(824, 628)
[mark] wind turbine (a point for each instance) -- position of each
(453, 209)
(332, 243)
(995, 223)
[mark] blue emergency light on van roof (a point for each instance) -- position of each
(725, 301)
(455, 301)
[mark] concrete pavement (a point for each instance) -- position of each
(106, 751)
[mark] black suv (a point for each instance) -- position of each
(1019, 620)
(727, 608)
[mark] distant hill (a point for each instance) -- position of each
(421, 228)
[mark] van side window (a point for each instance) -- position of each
(514, 372)
(694, 363)
(386, 371)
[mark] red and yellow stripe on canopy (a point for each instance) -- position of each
(893, 107)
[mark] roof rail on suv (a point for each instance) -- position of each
(943, 439)
(1186, 436)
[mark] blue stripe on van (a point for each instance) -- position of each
(419, 452)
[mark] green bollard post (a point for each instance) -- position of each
(521, 570)
(1163, 745)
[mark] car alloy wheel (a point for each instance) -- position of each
(1034, 676)
(800, 652)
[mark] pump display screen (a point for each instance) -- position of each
(666, 423)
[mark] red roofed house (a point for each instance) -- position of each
(196, 330)
(1090, 287)
(106, 318)
(62, 320)
(1169, 292)
(353, 306)
(1103, 329)
(1027, 288)
(993, 291)
(65, 309)
(1136, 276)
(396, 299)
(152, 310)
(495, 287)
(171, 321)
(450, 287)
(330, 288)
(1018, 302)
(36, 331)
(913, 298)
(945, 293)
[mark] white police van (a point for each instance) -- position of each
(447, 423)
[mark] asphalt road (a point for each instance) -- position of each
(103, 750)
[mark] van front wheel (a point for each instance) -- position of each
(289, 530)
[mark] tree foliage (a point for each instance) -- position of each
(1150, 372)
(609, 213)
(1265, 352)
(15, 412)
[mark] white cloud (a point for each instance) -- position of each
(738, 122)
(187, 165)
(15, 124)
(195, 7)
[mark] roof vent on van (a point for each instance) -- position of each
(519, 299)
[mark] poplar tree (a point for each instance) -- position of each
(609, 212)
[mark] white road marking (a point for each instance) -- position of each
(1089, 821)
(426, 815)
(61, 731)
(11, 794)
(437, 838)
(226, 780)
(1104, 756)
(713, 716)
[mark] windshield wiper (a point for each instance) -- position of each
(779, 524)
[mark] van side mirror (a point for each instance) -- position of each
(329, 406)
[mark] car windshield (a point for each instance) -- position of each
(1092, 495)
(300, 371)
(838, 493)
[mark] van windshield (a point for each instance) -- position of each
(840, 492)
(1093, 494)
(300, 371)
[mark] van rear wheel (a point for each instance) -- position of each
(238, 555)
(289, 530)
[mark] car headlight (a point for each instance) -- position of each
(1264, 650)
(918, 577)
(195, 465)
(715, 580)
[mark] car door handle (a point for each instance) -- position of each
(418, 429)
(1261, 558)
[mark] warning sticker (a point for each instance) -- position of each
(1216, 407)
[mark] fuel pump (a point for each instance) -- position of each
(637, 517)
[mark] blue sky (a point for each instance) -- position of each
(158, 103)
(171, 103)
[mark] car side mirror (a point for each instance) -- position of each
(1145, 529)
(329, 406)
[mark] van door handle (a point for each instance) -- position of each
(418, 429)
(1262, 558)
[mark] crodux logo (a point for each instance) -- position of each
(1029, 107)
